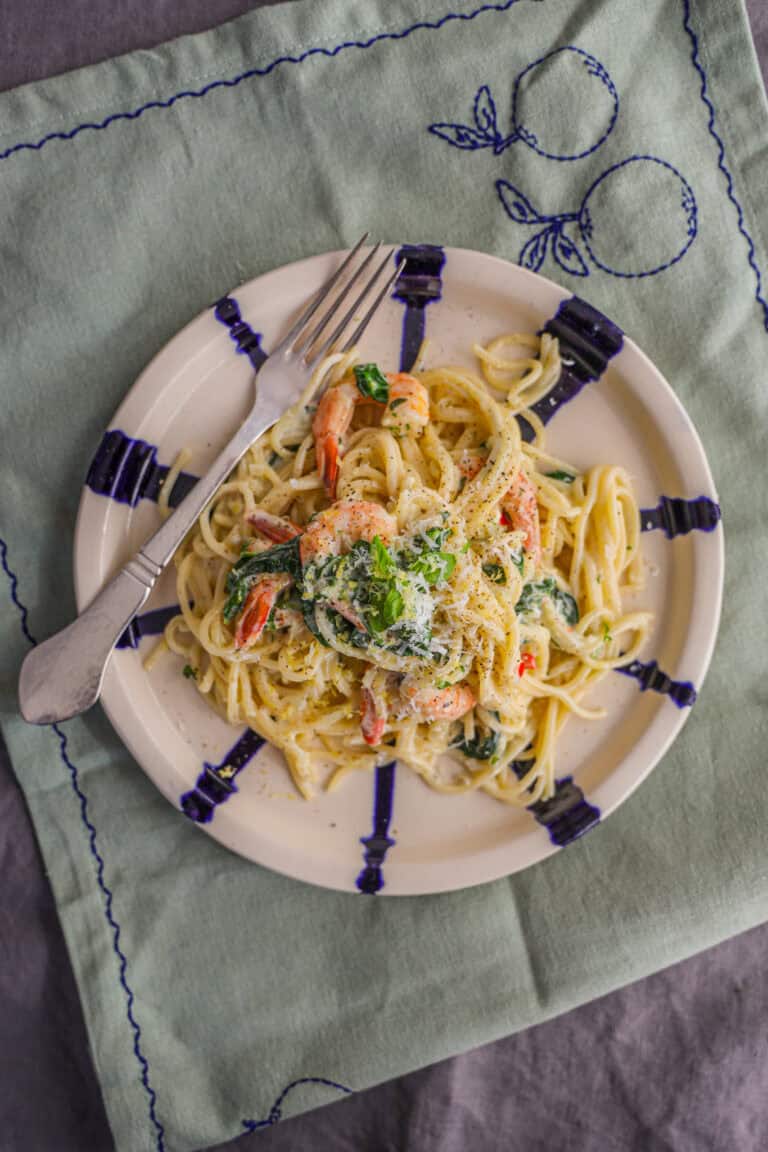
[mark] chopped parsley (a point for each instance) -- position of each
(189, 672)
(371, 382)
(563, 477)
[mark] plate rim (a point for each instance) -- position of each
(702, 640)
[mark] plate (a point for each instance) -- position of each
(387, 831)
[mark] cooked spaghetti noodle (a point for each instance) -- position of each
(391, 573)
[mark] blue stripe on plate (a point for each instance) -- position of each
(215, 784)
(147, 624)
(419, 284)
(678, 517)
(248, 342)
(370, 881)
(126, 470)
(651, 678)
(588, 341)
(567, 815)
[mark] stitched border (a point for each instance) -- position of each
(99, 860)
(706, 100)
(276, 1111)
(250, 73)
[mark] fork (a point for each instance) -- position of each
(63, 676)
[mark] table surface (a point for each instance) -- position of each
(675, 1063)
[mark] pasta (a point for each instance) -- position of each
(392, 573)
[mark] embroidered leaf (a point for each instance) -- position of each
(532, 254)
(485, 113)
(461, 136)
(517, 206)
(568, 256)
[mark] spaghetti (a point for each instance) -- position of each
(391, 573)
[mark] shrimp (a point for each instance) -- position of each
(258, 604)
(332, 420)
(276, 528)
(373, 706)
(519, 504)
(432, 703)
(407, 408)
(335, 531)
(408, 405)
(337, 528)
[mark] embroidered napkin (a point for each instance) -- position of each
(619, 147)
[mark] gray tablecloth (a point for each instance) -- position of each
(675, 1063)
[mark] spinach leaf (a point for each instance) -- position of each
(281, 558)
(534, 592)
(566, 605)
(481, 747)
(495, 573)
(371, 382)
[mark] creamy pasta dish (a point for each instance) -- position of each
(392, 573)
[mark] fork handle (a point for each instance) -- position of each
(62, 677)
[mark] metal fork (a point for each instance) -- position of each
(63, 676)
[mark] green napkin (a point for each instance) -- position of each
(219, 995)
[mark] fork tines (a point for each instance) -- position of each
(301, 336)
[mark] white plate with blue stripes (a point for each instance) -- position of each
(387, 832)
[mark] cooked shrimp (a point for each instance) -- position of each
(407, 409)
(373, 706)
(522, 510)
(276, 528)
(337, 528)
(258, 604)
(432, 703)
(519, 504)
(332, 419)
(408, 405)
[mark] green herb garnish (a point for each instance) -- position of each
(189, 672)
(393, 404)
(384, 565)
(563, 477)
(371, 382)
(386, 609)
(435, 567)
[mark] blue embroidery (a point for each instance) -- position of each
(100, 867)
(417, 285)
(147, 624)
(563, 73)
(673, 201)
(127, 471)
(567, 815)
(250, 73)
(276, 1111)
(370, 881)
(679, 517)
(215, 784)
(650, 676)
(751, 254)
(227, 312)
